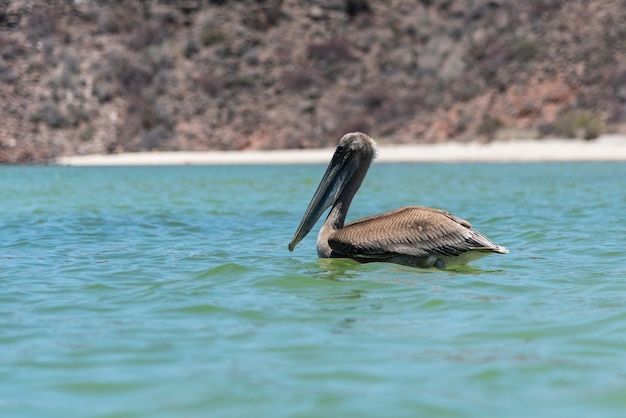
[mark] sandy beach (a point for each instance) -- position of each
(605, 148)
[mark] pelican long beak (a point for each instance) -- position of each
(334, 181)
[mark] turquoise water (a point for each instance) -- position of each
(169, 291)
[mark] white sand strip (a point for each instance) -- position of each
(606, 148)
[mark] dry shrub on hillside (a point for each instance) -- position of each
(300, 79)
(147, 126)
(333, 51)
(122, 73)
(355, 124)
(11, 48)
(7, 75)
(211, 83)
(263, 15)
(120, 18)
(212, 34)
(42, 22)
(578, 124)
(148, 33)
(374, 98)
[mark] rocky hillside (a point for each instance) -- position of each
(95, 76)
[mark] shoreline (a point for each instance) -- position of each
(605, 148)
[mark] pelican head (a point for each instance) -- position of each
(342, 178)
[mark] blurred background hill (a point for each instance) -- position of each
(89, 76)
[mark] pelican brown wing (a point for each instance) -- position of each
(414, 235)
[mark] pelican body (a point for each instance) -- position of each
(413, 236)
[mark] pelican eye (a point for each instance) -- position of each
(339, 151)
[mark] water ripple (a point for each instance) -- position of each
(168, 291)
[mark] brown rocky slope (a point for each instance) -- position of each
(91, 76)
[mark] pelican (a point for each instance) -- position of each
(414, 236)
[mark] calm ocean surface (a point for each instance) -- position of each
(169, 292)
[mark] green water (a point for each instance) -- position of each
(169, 292)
